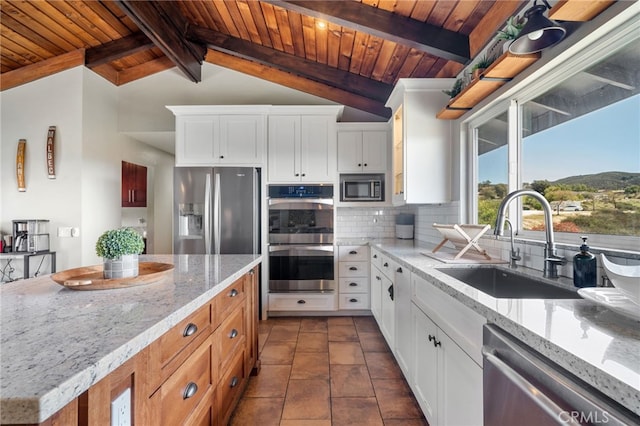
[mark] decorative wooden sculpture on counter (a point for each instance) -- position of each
(20, 157)
(51, 167)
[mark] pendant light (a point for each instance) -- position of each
(538, 33)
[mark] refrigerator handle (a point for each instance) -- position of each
(207, 214)
(216, 214)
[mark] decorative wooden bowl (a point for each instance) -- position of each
(90, 277)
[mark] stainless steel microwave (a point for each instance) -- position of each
(358, 187)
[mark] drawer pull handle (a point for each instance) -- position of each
(378, 278)
(190, 330)
(390, 290)
(375, 256)
(233, 334)
(385, 264)
(353, 300)
(353, 252)
(399, 270)
(233, 293)
(234, 382)
(302, 302)
(353, 284)
(353, 268)
(433, 339)
(190, 390)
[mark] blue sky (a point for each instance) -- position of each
(601, 141)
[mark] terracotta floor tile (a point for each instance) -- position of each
(396, 400)
(312, 342)
(265, 326)
(293, 321)
(253, 411)
(305, 422)
(340, 321)
(366, 324)
(313, 325)
(278, 353)
(382, 365)
(284, 333)
(404, 422)
(307, 399)
(355, 412)
(310, 365)
(373, 342)
(262, 339)
(345, 353)
(271, 382)
(350, 381)
(342, 333)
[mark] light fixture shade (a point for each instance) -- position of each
(538, 33)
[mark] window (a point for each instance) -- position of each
(576, 140)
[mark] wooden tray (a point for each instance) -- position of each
(90, 277)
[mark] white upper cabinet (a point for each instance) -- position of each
(421, 144)
(220, 135)
(362, 147)
(302, 144)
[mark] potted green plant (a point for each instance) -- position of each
(456, 89)
(119, 249)
(511, 31)
(483, 63)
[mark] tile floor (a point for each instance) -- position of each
(324, 371)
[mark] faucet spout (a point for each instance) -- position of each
(551, 260)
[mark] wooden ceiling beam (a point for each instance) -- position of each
(117, 49)
(165, 25)
(311, 70)
(297, 82)
(41, 69)
(425, 37)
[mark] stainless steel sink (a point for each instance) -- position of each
(503, 284)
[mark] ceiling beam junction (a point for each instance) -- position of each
(117, 49)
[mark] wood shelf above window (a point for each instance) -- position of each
(578, 10)
(500, 72)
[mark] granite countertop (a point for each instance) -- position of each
(600, 346)
(56, 342)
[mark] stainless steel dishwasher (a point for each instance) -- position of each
(521, 387)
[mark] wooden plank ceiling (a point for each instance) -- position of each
(351, 52)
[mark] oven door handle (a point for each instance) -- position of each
(288, 247)
(276, 201)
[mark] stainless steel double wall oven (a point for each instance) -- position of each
(301, 257)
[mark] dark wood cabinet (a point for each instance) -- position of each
(134, 185)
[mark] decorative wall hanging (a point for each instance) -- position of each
(22, 147)
(51, 157)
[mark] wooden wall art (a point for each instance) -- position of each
(51, 157)
(20, 158)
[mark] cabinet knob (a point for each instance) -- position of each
(233, 334)
(359, 164)
(233, 293)
(222, 156)
(353, 300)
(304, 174)
(399, 269)
(386, 265)
(297, 174)
(302, 302)
(189, 330)
(378, 278)
(375, 256)
(190, 390)
(365, 164)
(234, 382)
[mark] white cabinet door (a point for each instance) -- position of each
(376, 293)
(195, 137)
(461, 386)
(283, 148)
(374, 151)
(318, 149)
(403, 324)
(242, 139)
(424, 377)
(350, 152)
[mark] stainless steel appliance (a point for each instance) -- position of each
(521, 387)
(216, 210)
(359, 187)
(301, 255)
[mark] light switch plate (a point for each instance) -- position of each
(121, 409)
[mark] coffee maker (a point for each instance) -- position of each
(30, 235)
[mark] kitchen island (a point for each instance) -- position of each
(596, 344)
(58, 343)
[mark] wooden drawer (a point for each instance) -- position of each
(302, 302)
(185, 388)
(354, 301)
(229, 299)
(354, 285)
(230, 388)
(353, 269)
(230, 336)
(186, 331)
(353, 253)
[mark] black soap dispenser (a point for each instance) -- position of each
(584, 267)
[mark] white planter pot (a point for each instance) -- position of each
(123, 267)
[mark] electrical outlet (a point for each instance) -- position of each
(121, 409)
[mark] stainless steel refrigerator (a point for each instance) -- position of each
(216, 210)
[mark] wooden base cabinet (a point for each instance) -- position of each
(195, 373)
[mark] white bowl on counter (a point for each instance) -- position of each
(625, 278)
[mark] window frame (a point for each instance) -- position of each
(591, 49)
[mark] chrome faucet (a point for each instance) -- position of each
(515, 254)
(551, 259)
